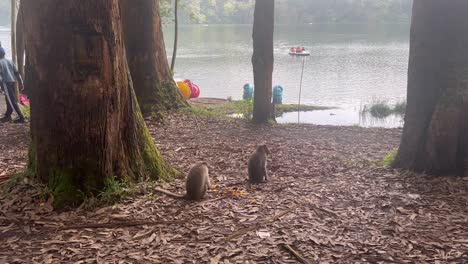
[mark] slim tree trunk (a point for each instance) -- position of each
(86, 126)
(435, 136)
(146, 53)
(176, 34)
(262, 59)
(13, 30)
(20, 39)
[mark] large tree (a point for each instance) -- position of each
(435, 135)
(86, 125)
(146, 54)
(262, 59)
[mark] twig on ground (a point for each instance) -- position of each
(285, 186)
(255, 226)
(295, 254)
(121, 224)
(208, 201)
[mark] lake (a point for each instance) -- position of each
(350, 66)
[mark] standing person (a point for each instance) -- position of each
(9, 75)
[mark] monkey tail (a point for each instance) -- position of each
(170, 194)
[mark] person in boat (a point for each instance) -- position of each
(9, 75)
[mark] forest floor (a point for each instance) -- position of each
(328, 199)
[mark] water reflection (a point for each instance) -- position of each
(341, 117)
(349, 64)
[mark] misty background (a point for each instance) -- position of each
(287, 11)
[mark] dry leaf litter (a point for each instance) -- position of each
(327, 198)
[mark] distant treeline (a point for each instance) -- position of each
(293, 11)
(287, 11)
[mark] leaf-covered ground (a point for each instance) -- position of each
(327, 198)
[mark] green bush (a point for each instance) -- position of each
(400, 108)
(380, 109)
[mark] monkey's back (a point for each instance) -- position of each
(197, 181)
(257, 163)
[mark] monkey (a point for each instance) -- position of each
(257, 165)
(197, 183)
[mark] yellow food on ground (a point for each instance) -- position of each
(184, 90)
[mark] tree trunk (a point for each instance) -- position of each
(155, 89)
(262, 59)
(86, 126)
(176, 34)
(13, 31)
(20, 39)
(435, 135)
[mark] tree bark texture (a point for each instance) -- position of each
(86, 125)
(435, 135)
(146, 53)
(263, 59)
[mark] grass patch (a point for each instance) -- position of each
(242, 108)
(387, 162)
(287, 108)
(27, 112)
(206, 111)
(114, 191)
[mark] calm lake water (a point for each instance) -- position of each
(350, 66)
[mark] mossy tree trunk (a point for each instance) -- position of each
(435, 135)
(263, 58)
(86, 124)
(154, 86)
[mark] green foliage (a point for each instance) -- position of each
(245, 109)
(389, 159)
(381, 109)
(63, 188)
(400, 108)
(27, 112)
(287, 108)
(287, 11)
(113, 192)
(241, 109)
(291, 11)
(206, 111)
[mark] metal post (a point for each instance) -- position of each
(300, 92)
